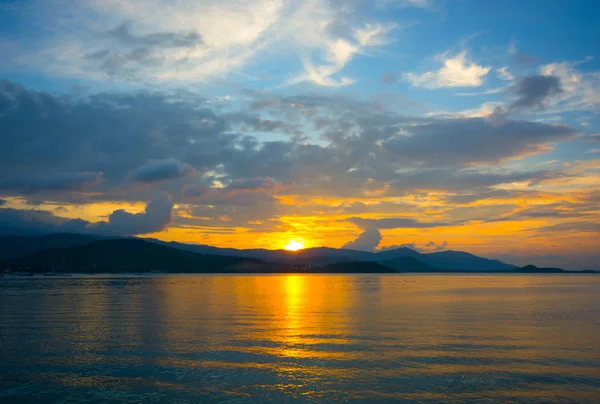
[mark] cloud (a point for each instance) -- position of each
(394, 223)
(486, 92)
(160, 170)
(156, 216)
(31, 221)
(524, 59)
(433, 246)
(505, 74)
(456, 71)
(359, 149)
(571, 227)
(436, 144)
(581, 90)
(252, 184)
(157, 41)
(390, 78)
(339, 52)
(59, 182)
(113, 134)
(534, 91)
(368, 240)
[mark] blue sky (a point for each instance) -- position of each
(252, 119)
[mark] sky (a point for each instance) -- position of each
(434, 124)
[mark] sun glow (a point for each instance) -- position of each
(294, 245)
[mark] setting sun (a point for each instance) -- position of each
(294, 245)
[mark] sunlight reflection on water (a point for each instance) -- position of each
(294, 338)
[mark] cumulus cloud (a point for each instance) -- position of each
(156, 216)
(160, 170)
(368, 240)
(456, 71)
(58, 182)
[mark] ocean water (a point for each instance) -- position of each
(301, 338)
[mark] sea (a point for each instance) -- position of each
(400, 338)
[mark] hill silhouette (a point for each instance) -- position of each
(12, 247)
(408, 264)
(124, 255)
(93, 253)
(532, 269)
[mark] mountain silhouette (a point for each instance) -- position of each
(135, 255)
(408, 264)
(94, 253)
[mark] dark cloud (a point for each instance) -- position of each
(438, 179)
(473, 141)
(428, 247)
(122, 54)
(356, 149)
(123, 33)
(412, 246)
(390, 78)
(366, 241)
(114, 134)
(433, 246)
(549, 211)
(534, 91)
(252, 184)
(586, 226)
(493, 194)
(160, 170)
(51, 183)
(156, 217)
(524, 59)
(31, 221)
(394, 223)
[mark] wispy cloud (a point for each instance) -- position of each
(339, 52)
(581, 90)
(505, 74)
(158, 41)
